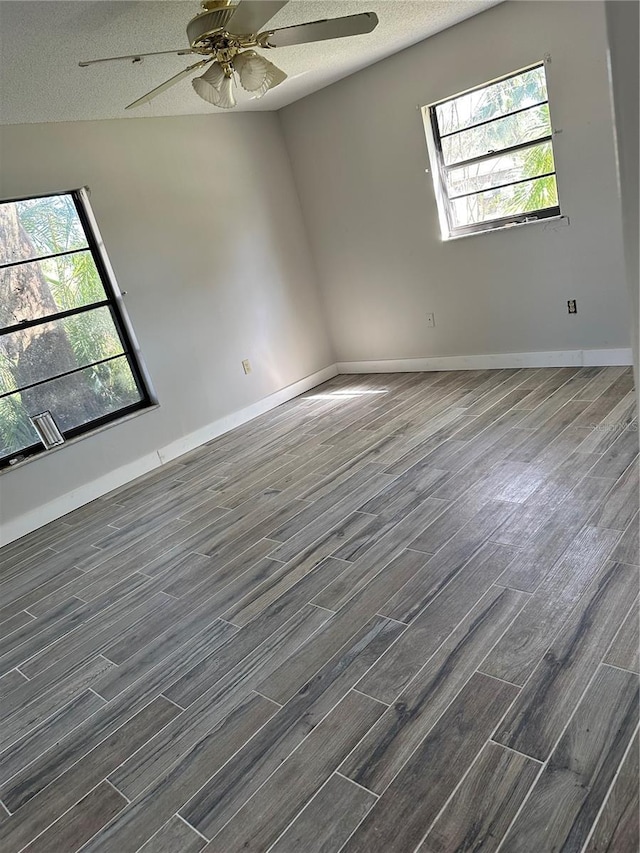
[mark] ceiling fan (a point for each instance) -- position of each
(227, 32)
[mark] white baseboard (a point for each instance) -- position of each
(497, 361)
(39, 516)
(229, 422)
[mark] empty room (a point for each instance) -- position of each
(319, 496)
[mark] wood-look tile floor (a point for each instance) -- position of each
(398, 613)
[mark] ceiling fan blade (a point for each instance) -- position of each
(250, 16)
(137, 57)
(332, 28)
(168, 84)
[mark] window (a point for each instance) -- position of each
(491, 154)
(66, 346)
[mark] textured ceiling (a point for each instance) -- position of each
(41, 42)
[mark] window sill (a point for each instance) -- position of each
(555, 221)
(42, 453)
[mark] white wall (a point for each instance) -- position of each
(623, 22)
(359, 157)
(202, 223)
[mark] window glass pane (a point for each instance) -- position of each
(40, 288)
(502, 133)
(16, 430)
(537, 194)
(39, 226)
(73, 400)
(517, 92)
(526, 163)
(73, 366)
(42, 352)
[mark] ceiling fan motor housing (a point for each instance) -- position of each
(206, 25)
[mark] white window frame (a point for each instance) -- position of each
(448, 229)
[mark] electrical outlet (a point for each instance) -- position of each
(431, 320)
(246, 366)
(572, 306)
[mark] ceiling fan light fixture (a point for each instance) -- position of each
(216, 87)
(214, 75)
(226, 98)
(222, 34)
(257, 75)
(252, 70)
(273, 78)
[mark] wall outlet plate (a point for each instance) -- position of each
(246, 365)
(431, 320)
(572, 306)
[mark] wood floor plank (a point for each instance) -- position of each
(414, 515)
(230, 541)
(65, 687)
(328, 820)
(174, 837)
(480, 811)
(231, 689)
(375, 558)
(281, 578)
(617, 826)
(168, 657)
(487, 415)
(103, 727)
(544, 384)
(283, 683)
(328, 539)
(225, 571)
(39, 592)
(263, 819)
(621, 504)
(556, 453)
(14, 622)
(550, 695)
(72, 614)
(81, 822)
(628, 549)
(567, 797)
(15, 589)
(553, 537)
(521, 648)
(429, 630)
(94, 635)
(289, 573)
(445, 564)
(223, 795)
(449, 523)
(522, 525)
(141, 819)
(427, 445)
(132, 639)
(205, 674)
(47, 734)
(38, 812)
(339, 502)
(550, 429)
(563, 476)
(12, 679)
(624, 652)
(604, 383)
(406, 492)
(390, 743)
(182, 570)
(381, 524)
(408, 807)
(603, 434)
(619, 456)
